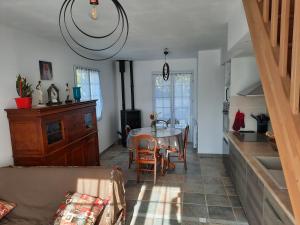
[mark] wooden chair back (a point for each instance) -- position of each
(146, 148)
(185, 140)
(147, 155)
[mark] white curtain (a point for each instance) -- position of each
(89, 81)
(172, 99)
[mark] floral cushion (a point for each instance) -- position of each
(79, 209)
(5, 208)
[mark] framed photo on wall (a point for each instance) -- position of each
(46, 70)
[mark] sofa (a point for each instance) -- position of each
(38, 192)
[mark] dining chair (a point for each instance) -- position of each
(147, 156)
(130, 150)
(173, 152)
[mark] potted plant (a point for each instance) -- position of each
(25, 91)
(153, 118)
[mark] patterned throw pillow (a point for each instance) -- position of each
(5, 208)
(79, 209)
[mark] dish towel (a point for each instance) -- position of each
(239, 121)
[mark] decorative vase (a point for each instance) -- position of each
(76, 94)
(153, 126)
(24, 103)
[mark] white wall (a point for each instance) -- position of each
(237, 26)
(248, 105)
(244, 73)
(20, 53)
(143, 83)
(210, 98)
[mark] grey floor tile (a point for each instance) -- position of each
(217, 200)
(150, 195)
(213, 172)
(230, 191)
(169, 210)
(194, 178)
(194, 211)
(235, 201)
(194, 198)
(140, 220)
(212, 180)
(214, 189)
(171, 195)
(130, 206)
(189, 223)
(240, 214)
(133, 193)
(193, 187)
(227, 181)
(221, 213)
(165, 204)
(146, 207)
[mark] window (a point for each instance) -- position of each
(89, 81)
(172, 99)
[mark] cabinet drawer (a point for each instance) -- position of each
(255, 198)
(273, 214)
(271, 217)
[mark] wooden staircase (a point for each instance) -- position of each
(275, 32)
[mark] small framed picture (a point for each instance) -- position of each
(46, 70)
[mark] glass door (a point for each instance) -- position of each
(172, 99)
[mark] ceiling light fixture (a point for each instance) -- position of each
(166, 67)
(94, 4)
(111, 43)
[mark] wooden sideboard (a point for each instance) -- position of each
(64, 135)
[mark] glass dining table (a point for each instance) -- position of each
(165, 137)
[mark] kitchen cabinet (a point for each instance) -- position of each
(238, 172)
(259, 205)
(255, 198)
(273, 214)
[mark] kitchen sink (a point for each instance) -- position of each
(273, 168)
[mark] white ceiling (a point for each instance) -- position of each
(183, 26)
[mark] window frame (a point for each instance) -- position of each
(172, 75)
(75, 67)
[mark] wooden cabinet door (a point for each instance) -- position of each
(77, 154)
(92, 150)
(255, 197)
(53, 132)
(74, 125)
(59, 158)
(89, 120)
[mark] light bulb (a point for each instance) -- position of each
(93, 14)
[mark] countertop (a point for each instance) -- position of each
(249, 151)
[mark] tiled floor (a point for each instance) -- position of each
(201, 195)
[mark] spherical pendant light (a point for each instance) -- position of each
(111, 43)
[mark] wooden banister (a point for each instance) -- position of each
(283, 105)
(266, 10)
(274, 23)
(295, 76)
(284, 37)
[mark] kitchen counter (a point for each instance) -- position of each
(251, 150)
